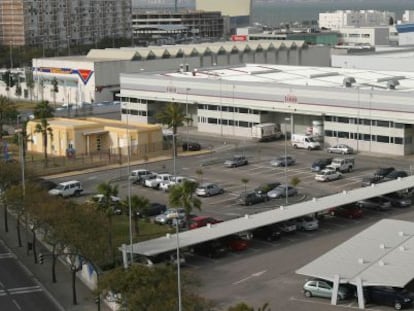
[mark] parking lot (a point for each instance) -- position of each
(265, 272)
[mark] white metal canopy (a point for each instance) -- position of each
(248, 222)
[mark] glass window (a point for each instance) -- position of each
(124, 111)
(399, 125)
(212, 121)
(366, 137)
(343, 120)
(329, 133)
(328, 118)
(383, 139)
(231, 122)
(409, 140)
(243, 124)
(200, 106)
(243, 110)
(343, 134)
(211, 107)
(383, 123)
(134, 112)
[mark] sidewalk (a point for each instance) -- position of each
(61, 291)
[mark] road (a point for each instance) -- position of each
(266, 271)
(19, 290)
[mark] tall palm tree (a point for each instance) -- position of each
(182, 195)
(6, 108)
(139, 205)
(43, 111)
(105, 205)
(173, 115)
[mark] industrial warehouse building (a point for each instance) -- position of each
(369, 110)
(95, 77)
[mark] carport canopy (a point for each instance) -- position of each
(279, 214)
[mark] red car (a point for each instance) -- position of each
(348, 211)
(236, 243)
(201, 221)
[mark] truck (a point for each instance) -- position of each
(304, 142)
(342, 164)
(266, 132)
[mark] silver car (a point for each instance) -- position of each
(208, 189)
(169, 215)
(324, 289)
(340, 148)
(281, 191)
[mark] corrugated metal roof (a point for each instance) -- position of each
(381, 255)
(249, 222)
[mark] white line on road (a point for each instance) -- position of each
(17, 305)
(253, 275)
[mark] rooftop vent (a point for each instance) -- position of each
(348, 81)
(391, 84)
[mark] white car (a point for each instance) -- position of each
(328, 175)
(155, 183)
(307, 223)
(166, 185)
(208, 189)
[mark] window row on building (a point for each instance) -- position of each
(135, 112)
(379, 123)
(225, 122)
(230, 109)
(369, 137)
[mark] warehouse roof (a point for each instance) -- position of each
(279, 214)
(381, 255)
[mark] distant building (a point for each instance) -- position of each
(408, 16)
(365, 35)
(61, 23)
(364, 18)
(237, 10)
(89, 136)
(168, 27)
(405, 34)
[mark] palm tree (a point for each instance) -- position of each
(43, 111)
(182, 195)
(173, 115)
(139, 205)
(105, 205)
(6, 108)
(55, 89)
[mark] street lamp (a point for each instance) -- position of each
(176, 216)
(186, 111)
(286, 179)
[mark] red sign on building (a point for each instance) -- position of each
(239, 38)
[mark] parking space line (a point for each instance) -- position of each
(351, 305)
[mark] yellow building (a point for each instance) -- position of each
(95, 135)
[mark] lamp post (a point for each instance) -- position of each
(131, 245)
(178, 264)
(286, 179)
(186, 113)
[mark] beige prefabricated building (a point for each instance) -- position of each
(69, 137)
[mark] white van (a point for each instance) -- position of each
(304, 142)
(67, 189)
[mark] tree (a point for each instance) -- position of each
(244, 307)
(245, 181)
(139, 205)
(7, 108)
(108, 191)
(152, 289)
(55, 90)
(9, 175)
(173, 115)
(29, 82)
(182, 195)
(43, 111)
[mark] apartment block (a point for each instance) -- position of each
(363, 18)
(60, 23)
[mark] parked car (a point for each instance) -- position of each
(268, 233)
(115, 202)
(320, 164)
(340, 148)
(263, 189)
(174, 180)
(351, 211)
(307, 223)
(202, 221)
(212, 249)
(136, 175)
(377, 203)
(67, 189)
(328, 175)
(238, 160)
(236, 243)
(250, 198)
(191, 146)
(169, 258)
(282, 161)
(155, 182)
(398, 200)
(208, 189)
(369, 180)
(395, 174)
(389, 296)
(324, 289)
(281, 191)
(383, 171)
(168, 215)
(153, 209)
(287, 226)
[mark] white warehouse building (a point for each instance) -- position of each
(371, 111)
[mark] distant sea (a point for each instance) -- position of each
(273, 13)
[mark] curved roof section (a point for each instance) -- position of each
(174, 51)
